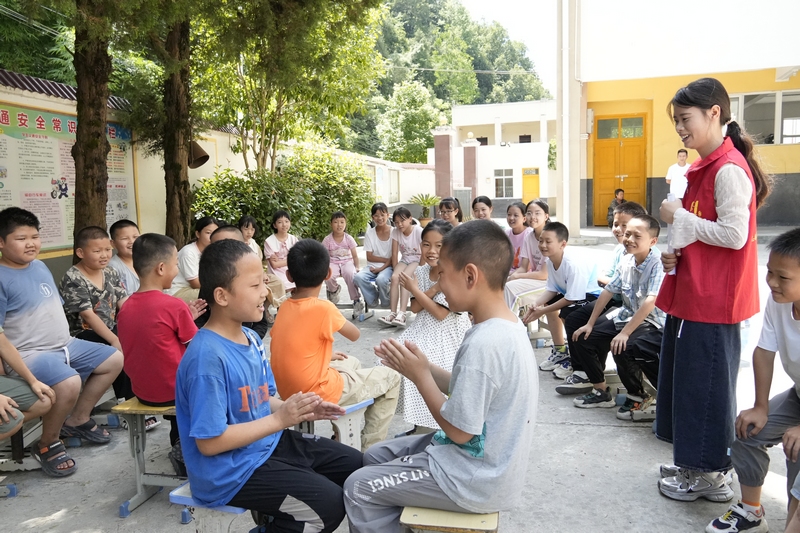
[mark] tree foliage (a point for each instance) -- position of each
(405, 128)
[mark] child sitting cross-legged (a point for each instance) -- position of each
(233, 430)
(477, 462)
(633, 331)
(341, 247)
(302, 347)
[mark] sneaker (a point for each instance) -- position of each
(400, 320)
(689, 485)
(673, 470)
(388, 320)
(554, 359)
(739, 519)
(595, 398)
(644, 411)
(574, 384)
(358, 309)
(624, 412)
(334, 296)
(563, 370)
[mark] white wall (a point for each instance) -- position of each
(416, 181)
(515, 157)
(503, 113)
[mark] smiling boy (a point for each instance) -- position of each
(123, 234)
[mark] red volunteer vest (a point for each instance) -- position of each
(713, 285)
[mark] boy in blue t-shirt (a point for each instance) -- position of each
(233, 430)
(34, 322)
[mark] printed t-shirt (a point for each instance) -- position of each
(517, 241)
(409, 245)
(80, 294)
(340, 252)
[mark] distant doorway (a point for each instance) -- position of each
(530, 184)
(620, 161)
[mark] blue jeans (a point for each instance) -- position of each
(367, 282)
(697, 392)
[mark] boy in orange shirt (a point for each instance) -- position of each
(302, 355)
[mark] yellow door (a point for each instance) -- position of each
(530, 184)
(620, 162)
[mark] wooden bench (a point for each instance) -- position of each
(347, 427)
(134, 413)
(421, 520)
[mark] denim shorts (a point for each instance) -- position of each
(78, 357)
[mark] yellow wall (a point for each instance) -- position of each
(652, 95)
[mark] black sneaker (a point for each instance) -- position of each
(595, 398)
(574, 384)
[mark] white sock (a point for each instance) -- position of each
(750, 509)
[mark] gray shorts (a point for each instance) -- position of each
(18, 390)
(78, 357)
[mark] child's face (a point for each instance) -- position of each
(452, 284)
(95, 254)
(449, 214)
(637, 239)
(20, 247)
(170, 269)
(338, 225)
(282, 225)
(123, 241)
(514, 217)
(536, 216)
(204, 235)
(783, 278)
(480, 211)
(403, 224)
(247, 232)
(431, 246)
(620, 225)
(244, 302)
(380, 218)
(549, 244)
(621, 195)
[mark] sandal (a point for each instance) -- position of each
(388, 319)
(400, 320)
(151, 422)
(50, 457)
(89, 430)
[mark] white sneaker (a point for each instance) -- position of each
(563, 370)
(554, 359)
(737, 519)
(334, 296)
(673, 470)
(689, 485)
(358, 309)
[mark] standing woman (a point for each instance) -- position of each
(450, 209)
(186, 284)
(713, 289)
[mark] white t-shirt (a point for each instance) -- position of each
(378, 247)
(781, 333)
(677, 179)
(409, 245)
(575, 278)
(188, 267)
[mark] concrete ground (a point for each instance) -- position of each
(588, 472)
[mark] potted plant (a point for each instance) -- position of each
(425, 201)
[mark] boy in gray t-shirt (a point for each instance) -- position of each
(477, 461)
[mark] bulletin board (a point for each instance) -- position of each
(37, 171)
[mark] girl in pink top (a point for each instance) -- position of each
(277, 246)
(517, 230)
(344, 259)
(406, 251)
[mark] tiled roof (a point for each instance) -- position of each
(52, 88)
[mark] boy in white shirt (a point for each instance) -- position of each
(676, 175)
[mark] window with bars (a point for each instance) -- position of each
(504, 183)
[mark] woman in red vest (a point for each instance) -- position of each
(713, 289)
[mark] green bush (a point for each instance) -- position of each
(311, 184)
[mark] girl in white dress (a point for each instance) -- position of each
(436, 330)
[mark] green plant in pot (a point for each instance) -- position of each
(425, 201)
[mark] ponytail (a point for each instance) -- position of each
(744, 143)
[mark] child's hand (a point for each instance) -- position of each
(409, 283)
(328, 411)
(585, 331)
(406, 359)
(791, 443)
(197, 307)
(750, 422)
(534, 313)
(299, 407)
(41, 390)
(667, 210)
(670, 260)
(338, 356)
(7, 406)
(619, 343)
(115, 343)
(373, 269)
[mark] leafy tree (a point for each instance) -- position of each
(520, 86)
(28, 45)
(405, 128)
(454, 76)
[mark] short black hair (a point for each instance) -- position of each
(151, 249)
(683, 150)
(228, 228)
(561, 231)
(786, 244)
(12, 218)
(484, 244)
(218, 266)
(247, 220)
(630, 208)
(121, 224)
(653, 226)
(617, 191)
(89, 233)
(202, 222)
(338, 214)
(308, 263)
(402, 213)
(279, 214)
(379, 206)
(440, 226)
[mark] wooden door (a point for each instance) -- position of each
(530, 184)
(620, 162)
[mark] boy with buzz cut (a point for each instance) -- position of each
(770, 421)
(302, 347)
(632, 331)
(123, 234)
(233, 429)
(34, 322)
(571, 284)
(477, 461)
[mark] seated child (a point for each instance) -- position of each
(302, 348)
(248, 226)
(232, 427)
(123, 233)
(571, 284)
(517, 231)
(23, 398)
(477, 462)
(378, 272)
(93, 293)
(622, 214)
(619, 199)
(632, 331)
(186, 284)
(770, 421)
(34, 322)
(341, 247)
(154, 327)
(531, 276)
(406, 238)
(277, 247)
(482, 208)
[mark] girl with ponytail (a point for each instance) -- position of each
(715, 287)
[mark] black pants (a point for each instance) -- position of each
(301, 483)
(173, 420)
(578, 316)
(122, 385)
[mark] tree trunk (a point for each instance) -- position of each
(92, 70)
(177, 134)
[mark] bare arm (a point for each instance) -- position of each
(421, 299)
(350, 332)
(395, 252)
(354, 253)
(752, 421)
(97, 325)
(276, 263)
(9, 354)
(193, 283)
